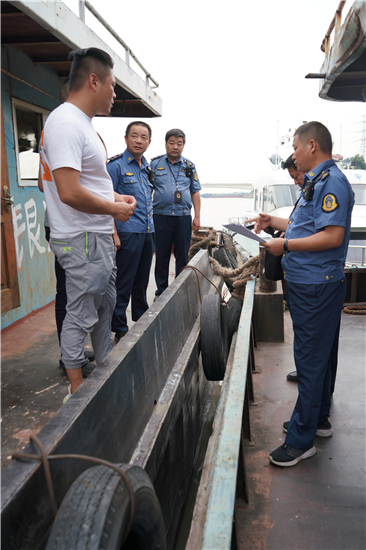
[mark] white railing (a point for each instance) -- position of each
(336, 23)
(128, 52)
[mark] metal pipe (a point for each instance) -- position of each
(265, 285)
(82, 10)
(119, 39)
(27, 83)
(336, 21)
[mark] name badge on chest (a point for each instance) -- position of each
(177, 197)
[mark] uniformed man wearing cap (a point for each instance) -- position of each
(176, 188)
(130, 174)
(314, 251)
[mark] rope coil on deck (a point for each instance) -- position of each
(355, 310)
(45, 458)
(202, 242)
(196, 270)
(236, 277)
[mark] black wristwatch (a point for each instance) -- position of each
(285, 246)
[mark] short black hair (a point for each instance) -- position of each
(318, 132)
(289, 163)
(85, 62)
(138, 123)
(176, 133)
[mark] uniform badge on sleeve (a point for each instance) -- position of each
(195, 177)
(329, 203)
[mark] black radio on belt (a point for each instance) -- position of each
(189, 171)
(151, 176)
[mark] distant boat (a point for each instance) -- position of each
(342, 75)
(226, 192)
(220, 195)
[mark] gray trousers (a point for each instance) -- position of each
(89, 263)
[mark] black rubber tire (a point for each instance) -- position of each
(221, 256)
(232, 260)
(95, 513)
(229, 243)
(214, 344)
(232, 313)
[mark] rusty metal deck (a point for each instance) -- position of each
(320, 503)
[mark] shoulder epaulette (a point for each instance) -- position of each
(115, 157)
(189, 163)
(158, 157)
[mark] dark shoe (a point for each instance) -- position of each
(286, 455)
(156, 297)
(89, 355)
(324, 429)
(118, 336)
(86, 368)
(292, 376)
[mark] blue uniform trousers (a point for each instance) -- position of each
(170, 231)
(133, 270)
(315, 310)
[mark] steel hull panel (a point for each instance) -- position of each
(107, 416)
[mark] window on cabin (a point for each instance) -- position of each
(28, 123)
(360, 193)
(279, 196)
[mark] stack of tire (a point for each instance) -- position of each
(95, 513)
(219, 322)
(226, 259)
(214, 341)
(228, 242)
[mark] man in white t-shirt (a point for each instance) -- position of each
(81, 205)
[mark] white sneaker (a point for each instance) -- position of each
(68, 394)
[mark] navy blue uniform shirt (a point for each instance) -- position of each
(331, 204)
(169, 178)
(129, 179)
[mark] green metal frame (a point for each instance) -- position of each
(217, 531)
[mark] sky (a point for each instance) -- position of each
(231, 75)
